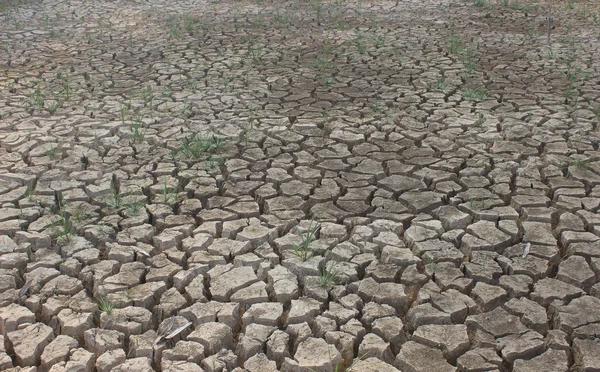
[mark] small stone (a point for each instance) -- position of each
(374, 346)
(135, 364)
(579, 312)
(575, 271)
(267, 313)
(189, 351)
(391, 329)
(29, 343)
(278, 346)
(372, 365)
(100, 340)
(213, 336)
(517, 346)
(478, 360)
(532, 314)
(551, 360)
(312, 354)
(488, 296)
(516, 285)
(224, 285)
(107, 361)
(557, 339)
(414, 357)
(547, 290)
(303, 310)
(260, 363)
(58, 350)
(14, 315)
(586, 354)
(451, 339)
(497, 322)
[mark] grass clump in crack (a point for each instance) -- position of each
(62, 226)
(167, 195)
(474, 93)
(197, 145)
(115, 199)
(135, 206)
(328, 275)
(303, 250)
(105, 305)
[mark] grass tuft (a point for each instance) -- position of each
(105, 305)
(302, 250)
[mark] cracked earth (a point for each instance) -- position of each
(314, 186)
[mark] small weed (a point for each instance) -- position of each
(473, 94)
(532, 32)
(115, 200)
(328, 275)
(429, 263)
(195, 146)
(62, 227)
(467, 58)
(377, 106)
(167, 196)
(100, 30)
(318, 7)
(37, 98)
(379, 41)
(79, 215)
(188, 23)
(192, 85)
(51, 151)
(147, 95)
(479, 3)
(66, 87)
(477, 202)
(254, 51)
(438, 86)
(53, 105)
(323, 64)
(213, 162)
(283, 20)
(302, 250)
(29, 191)
(581, 164)
(361, 46)
(216, 143)
(185, 109)
(456, 45)
(518, 6)
(138, 130)
(123, 111)
(105, 305)
(571, 95)
(174, 29)
(596, 111)
(226, 82)
(135, 206)
(480, 120)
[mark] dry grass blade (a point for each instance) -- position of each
(177, 330)
(25, 289)
(140, 250)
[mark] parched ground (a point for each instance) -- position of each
(299, 186)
